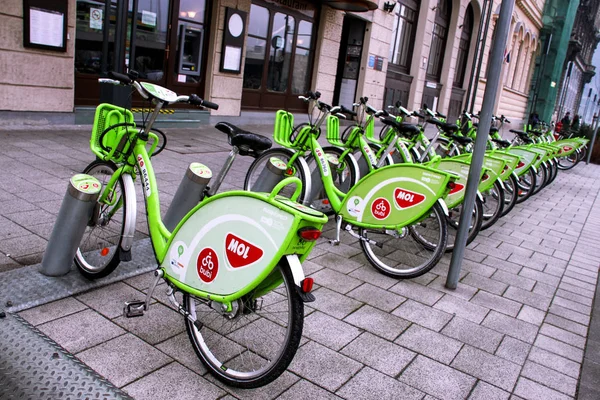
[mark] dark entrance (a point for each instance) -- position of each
(279, 55)
(163, 40)
(348, 70)
(431, 92)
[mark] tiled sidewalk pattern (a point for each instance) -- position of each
(515, 327)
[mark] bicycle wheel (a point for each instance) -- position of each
(453, 223)
(553, 169)
(510, 195)
(345, 174)
(253, 344)
(568, 162)
(260, 163)
(582, 153)
(525, 185)
(540, 178)
(411, 251)
(98, 252)
(493, 202)
(444, 148)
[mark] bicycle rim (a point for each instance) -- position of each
(98, 252)
(510, 195)
(453, 220)
(525, 185)
(411, 251)
(255, 343)
(569, 161)
(493, 202)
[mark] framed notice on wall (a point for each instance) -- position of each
(45, 24)
(233, 40)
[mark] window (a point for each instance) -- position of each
(282, 41)
(256, 45)
(463, 49)
(403, 34)
(438, 40)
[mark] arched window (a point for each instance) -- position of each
(406, 13)
(438, 39)
(463, 48)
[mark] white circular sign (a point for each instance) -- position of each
(236, 25)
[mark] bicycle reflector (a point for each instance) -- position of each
(306, 285)
(451, 185)
(309, 233)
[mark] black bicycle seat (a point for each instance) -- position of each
(493, 129)
(462, 140)
(248, 143)
(501, 142)
(524, 136)
(448, 128)
(518, 132)
(439, 114)
(401, 127)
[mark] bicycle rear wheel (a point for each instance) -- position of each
(540, 178)
(454, 219)
(98, 252)
(493, 203)
(253, 344)
(411, 251)
(569, 161)
(510, 195)
(525, 185)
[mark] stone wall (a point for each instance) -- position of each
(32, 79)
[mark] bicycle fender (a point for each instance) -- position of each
(298, 276)
(307, 174)
(442, 203)
(131, 207)
(480, 196)
(534, 169)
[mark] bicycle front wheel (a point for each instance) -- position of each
(98, 252)
(255, 178)
(411, 251)
(254, 343)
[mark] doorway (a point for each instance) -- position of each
(348, 69)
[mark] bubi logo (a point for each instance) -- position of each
(457, 188)
(406, 198)
(207, 265)
(381, 208)
(241, 253)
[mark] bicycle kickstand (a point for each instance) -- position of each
(136, 308)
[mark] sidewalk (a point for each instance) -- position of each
(516, 327)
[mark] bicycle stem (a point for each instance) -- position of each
(223, 172)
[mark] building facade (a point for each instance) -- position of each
(413, 51)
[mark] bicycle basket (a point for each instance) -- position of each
(108, 115)
(286, 135)
(333, 131)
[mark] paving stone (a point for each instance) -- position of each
(462, 291)
(521, 261)
(159, 323)
(377, 297)
(580, 277)
(572, 305)
(513, 350)
(510, 326)
(544, 290)
(566, 324)
(303, 390)
(379, 354)
(462, 308)
(270, 391)
(498, 303)
(429, 343)
(417, 292)
(173, 382)
(531, 315)
(437, 379)
(516, 249)
(370, 384)
(563, 336)
(555, 362)
(180, 349)
(322, 366)
(570, 314)
(481, 282)
(335, 281)
(532, 299)
(476, 266)
(110, 299)
(329, 331)
(337, 262)
(487, 367)
(540, 276)
(124, 359)
(52, 311)
(333, 303)
(555, 271)
(80, 331)
(423, 315)
(582, 271)
(378, 322)
(548, 377)
(369, 274)
(473, 334)
(585, 300)
(578, 283)
(513, 280)
(485, 391)
(560, 348)
(532, 390)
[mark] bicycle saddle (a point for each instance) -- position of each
(501, 142)
(493, 129)
(439, 114)
(462, 140)
(401, 127)
(248, 143)
(524, 136)
(448, 128)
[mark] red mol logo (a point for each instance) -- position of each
(567, 148)
(457, 188)
(406, 198)
(207, 265)
(521, 164)
(241, 253)
(381, 208)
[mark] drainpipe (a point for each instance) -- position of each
(477, 51)
(480, 61)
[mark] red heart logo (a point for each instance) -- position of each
(240, 252)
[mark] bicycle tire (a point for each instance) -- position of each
(540, 179)
(223, 344)
(99, 249)
(568, 162)
(554, 170)
(510, 194)
(453, 223)
(392, 258)
(157, 151)
(525, 185)
(493, 202)
(259, 164)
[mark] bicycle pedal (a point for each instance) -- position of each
(334, 242)
(134, 308)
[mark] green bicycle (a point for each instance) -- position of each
(235, 258)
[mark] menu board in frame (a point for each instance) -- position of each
(45, 24)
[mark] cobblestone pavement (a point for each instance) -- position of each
(515, 328)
